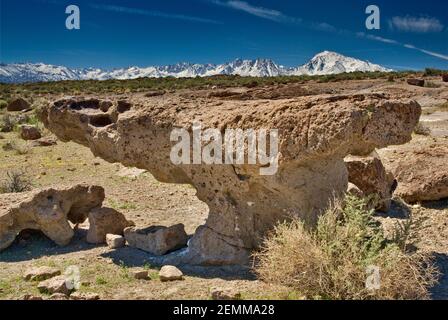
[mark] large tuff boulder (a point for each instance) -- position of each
(314, 135)
(157, 240)
(48, 210)
(421, 168)
(370, 176)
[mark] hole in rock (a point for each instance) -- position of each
(100, 120)
(86, 104)
(123, 106)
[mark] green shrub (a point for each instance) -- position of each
(331, 261)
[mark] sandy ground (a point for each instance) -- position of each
(148, 202)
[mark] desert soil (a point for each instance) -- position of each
(147, 202)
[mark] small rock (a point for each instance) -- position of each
(59, 296)
(29, 132)
(416, 82)
(41, 273)
(84, 296)
(140, 274)
(18, 104)
(445, 77)
(225, 294)
(54, 285)
(131, 173)
(31, 297)
(8, 146)
(170, 273)
(115, 241)
(105, 221)
(44, 142)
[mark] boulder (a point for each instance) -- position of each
(103, 221)
(170, 273)
(115, 241)
(48, 210)
(370, 176)
(18, 104)
(41, 273)
(157, 240)
(420, 168)
(315, 133)
(84, 296)
(57, 284)
(445, 77)
(225, 294)
(416, 82)
(29, 132)
(58, 296)
(140, 274)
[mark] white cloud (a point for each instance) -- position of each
(260, 12)
(413, 24)
(150, 13)
(405, 45)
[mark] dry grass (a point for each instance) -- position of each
(15, 181)
(331, 261)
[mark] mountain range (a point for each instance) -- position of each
(323, 63)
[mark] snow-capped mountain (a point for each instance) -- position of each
(328, 62)
(323, 63)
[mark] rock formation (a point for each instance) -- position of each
(315, 134)
(370, 176)
(48, 210)
(420, 168)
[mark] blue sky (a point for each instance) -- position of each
(114, 33)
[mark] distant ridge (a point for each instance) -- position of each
(323, 63)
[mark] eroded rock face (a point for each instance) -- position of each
(48, 210)
(370, 176)
(315, 134)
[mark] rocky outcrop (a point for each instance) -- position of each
(157, 240)
(18, 104)
(370, 176)
(421, 168)
(103, 221)
(48, 210)
(314, 135)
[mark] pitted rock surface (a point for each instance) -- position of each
(48, 210)
(315, 134)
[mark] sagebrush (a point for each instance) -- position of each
(331, 260)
